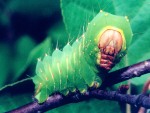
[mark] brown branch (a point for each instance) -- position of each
(145, 89)
(126, 73)
(59, 100)
(115, 77)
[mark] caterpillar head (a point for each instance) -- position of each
(109, 37)
(110, 45)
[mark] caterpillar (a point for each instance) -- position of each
(76, 67)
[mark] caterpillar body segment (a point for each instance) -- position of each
(76, 67)
(64, 71)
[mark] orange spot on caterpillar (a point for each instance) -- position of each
(38, 89)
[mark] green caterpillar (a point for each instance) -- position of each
(76, 67)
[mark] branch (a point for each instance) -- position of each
(59, 100)
(115, 77)
(126, 73)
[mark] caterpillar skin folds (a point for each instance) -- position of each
(76, 66)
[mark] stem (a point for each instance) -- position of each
(144, 91)
(126, 73)
(115, 77)
(59, 100)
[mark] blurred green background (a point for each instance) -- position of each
(31, 28)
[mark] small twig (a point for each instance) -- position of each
(144, 91)
(146, 87)
(115, 77)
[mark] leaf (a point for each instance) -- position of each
(58, 35)
(38, 52)
(4, 63)
(34, 8)
(12, 92)
(22, 49)
(77, 14)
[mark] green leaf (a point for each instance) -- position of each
(58, 35)
(22, 48)
(4, 63)
(34, 8)
(38, 52)
(12, 92)
(77, 13)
